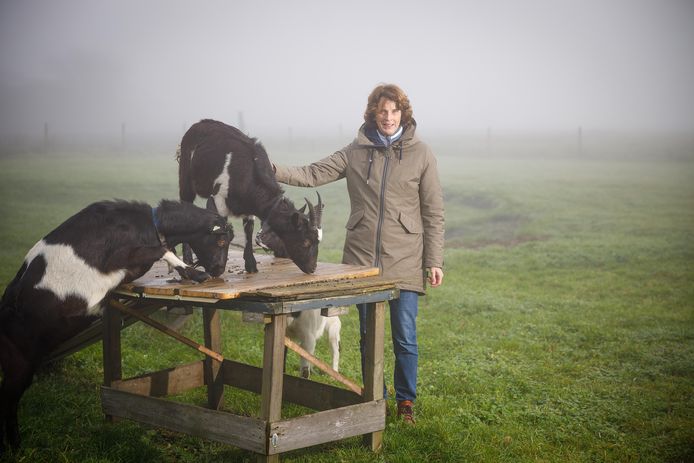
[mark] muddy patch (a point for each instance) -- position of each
(485, 220)
(479, 202)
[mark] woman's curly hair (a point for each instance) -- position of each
(390, 92)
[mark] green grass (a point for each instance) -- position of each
(564, 331)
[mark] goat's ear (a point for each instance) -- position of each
(219, 227)
(297, 220)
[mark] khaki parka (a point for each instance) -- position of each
(396, 221)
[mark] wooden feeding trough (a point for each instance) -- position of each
(278, 290)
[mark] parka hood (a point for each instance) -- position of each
(368, 138)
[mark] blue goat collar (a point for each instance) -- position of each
(155, 220)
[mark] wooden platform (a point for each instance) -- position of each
(278, 289)
(274, 276)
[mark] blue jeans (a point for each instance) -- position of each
(403, 326)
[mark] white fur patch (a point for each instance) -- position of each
(173, 260)
(308, 328)
(223, 181)
(67, 274)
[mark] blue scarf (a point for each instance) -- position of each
(379, 139)
(386, 140)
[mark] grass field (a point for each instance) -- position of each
(564, 331)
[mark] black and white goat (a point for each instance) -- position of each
(220, 163)
(65, 277)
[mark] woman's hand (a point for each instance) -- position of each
(435, 276)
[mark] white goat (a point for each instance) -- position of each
(307, 327)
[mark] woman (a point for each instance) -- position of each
(396, 221)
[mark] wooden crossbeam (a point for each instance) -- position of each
(323, 366)
(166, 330)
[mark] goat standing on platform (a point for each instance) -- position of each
(220, 163)
(61, 286)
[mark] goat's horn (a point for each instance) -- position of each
(303, 209)
(311, 213)
(319, 211)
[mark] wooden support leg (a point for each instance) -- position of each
(373, 364)
(113, 369)
(213, 373)
(273, 369)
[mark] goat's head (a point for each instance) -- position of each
(212, 246)
(267, 239)
(300, 241)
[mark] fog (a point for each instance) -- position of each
(306, 67)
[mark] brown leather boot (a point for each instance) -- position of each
(406, 412)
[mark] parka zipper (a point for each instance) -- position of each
(381, 208)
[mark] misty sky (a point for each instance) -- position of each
(90, 65)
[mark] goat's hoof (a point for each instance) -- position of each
(305, 372)
(194, 274)
(201, 277)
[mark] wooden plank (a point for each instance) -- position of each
(242, 376)
(240, 431)
(213, 340)
(252, 317)
(272, 272)
(233, 286)
(111, 345)
(297, 305)
(373, 364)
(111, 348)
(161, 383)
(273, 369)
(300, 391)
(359, 285)
(327, 426)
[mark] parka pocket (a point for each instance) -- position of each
(354, 219)
(410, 224)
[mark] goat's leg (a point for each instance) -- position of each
(334, 327)
(248, 257)
(6, 356)
(187, 251)
(187, 272)
(18, 373)
(309, 345)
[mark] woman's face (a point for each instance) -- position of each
(388, 117)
